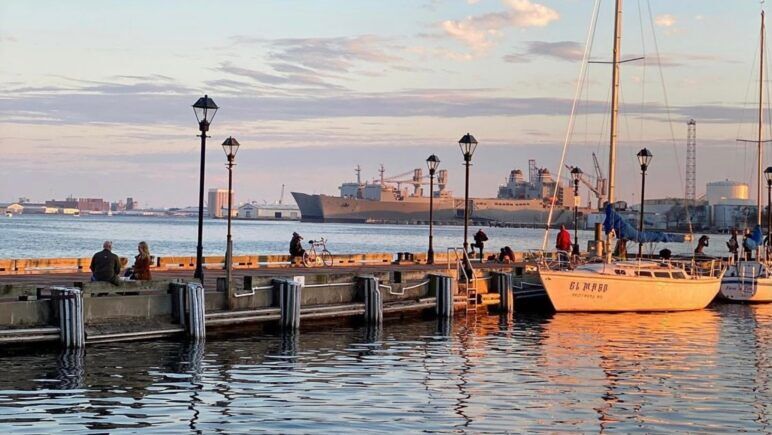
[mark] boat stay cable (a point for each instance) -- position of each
(570, 128)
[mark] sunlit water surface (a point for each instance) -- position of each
(700, 371)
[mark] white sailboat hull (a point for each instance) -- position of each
(743, 283)
(582, 291)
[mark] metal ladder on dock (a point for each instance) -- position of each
(467, 284)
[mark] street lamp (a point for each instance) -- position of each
(231, 147)
(467, 144)
(576, 174)
(205, 109)
(432, 163)
(644, 158)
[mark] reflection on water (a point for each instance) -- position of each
(697, 371)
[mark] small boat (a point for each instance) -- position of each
(751, 281)
(616, 286)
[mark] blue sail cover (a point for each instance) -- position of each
(755, 240)
(624, 230)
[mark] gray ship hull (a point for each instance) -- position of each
(323, 208)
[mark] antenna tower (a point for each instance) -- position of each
(691, 161)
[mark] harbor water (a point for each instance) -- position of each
(37, 236)
(701, 371)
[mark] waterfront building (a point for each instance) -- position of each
(254, 210)
(93, 205)
(217, 201)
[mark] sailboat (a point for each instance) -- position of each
(751, 281)
(614, 286)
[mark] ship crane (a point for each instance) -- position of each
(417, 180)
(599, 187)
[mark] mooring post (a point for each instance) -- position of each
(367, 288)
(442, 286)
(289, 293)
(502, 283)
(69, 304)
(196, 320)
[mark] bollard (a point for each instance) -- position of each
(367, 287)
(69, 303)
(502, 283)
(289, 302)
(196, 320)
(442, 286)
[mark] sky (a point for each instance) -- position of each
(96, 95)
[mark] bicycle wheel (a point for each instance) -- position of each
(327, 258)
(308, 260)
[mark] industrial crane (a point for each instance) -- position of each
(599, 187)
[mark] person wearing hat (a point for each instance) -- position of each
(296, 247)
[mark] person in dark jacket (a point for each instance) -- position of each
(106, 266)
(479, 242)
(733, 245)
(296, 246)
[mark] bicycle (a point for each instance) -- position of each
(311, 258)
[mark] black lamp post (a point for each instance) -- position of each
(432, 163)
(231, 147)
(467, 144)
(644, 158)
(205, 109)
(576, 174)
(768, 175)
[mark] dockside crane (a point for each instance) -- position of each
(599, 188)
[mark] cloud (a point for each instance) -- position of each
(665, 20)
(562, 50)
(478, 32)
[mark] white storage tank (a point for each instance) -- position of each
(726, 192)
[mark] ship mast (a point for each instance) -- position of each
(612, 154)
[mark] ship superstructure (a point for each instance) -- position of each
(402, 199)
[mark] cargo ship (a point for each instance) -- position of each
(521, 201)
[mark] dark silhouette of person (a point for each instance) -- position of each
(296, 246)
(479, 242)
(106, 266)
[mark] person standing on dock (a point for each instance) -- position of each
(733, 245)
(563, 244)
(105, 266)
(296, 247)
(479, 242)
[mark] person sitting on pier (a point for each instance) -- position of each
(506, 255)
(563, 244)
(105, 266)
(479, 242)
(141, 268)
(296, 247)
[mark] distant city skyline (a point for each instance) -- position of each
(97, 94)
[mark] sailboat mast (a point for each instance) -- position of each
(612, 154)
(761, 125)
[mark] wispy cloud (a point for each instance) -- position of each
(665, 20)
(562, 50)
(479, 32)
